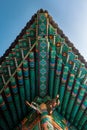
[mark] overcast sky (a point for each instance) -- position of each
(70, 15)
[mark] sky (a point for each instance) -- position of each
(70, 15)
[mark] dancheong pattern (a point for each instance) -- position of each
(40, 64)
(43, 72)
(42, 55)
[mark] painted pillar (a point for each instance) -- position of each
(11, 62)
(81, 73)
(11, 105)
(3, 124)
(2, 79)
(70, 58)
(5, 71)
(59, 42)
(18, 54)
(81, 111)
(36, 69)
(72, 99)
(57, 77)
(67, 93)
(52, 72)
(24, 46)
(6, 113)
(14, 58)
(85, 126)
(69, 63)
(63, 84)
(21, 90)
(76, 65)
(83, 120)
(64, 53)
(58, 48)
(32, 75)
(16, 97)
(77, 104)
(26, 80)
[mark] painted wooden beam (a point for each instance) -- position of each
(3, 124)
(63, 85)
(11, 105)
(68, 92)
(32, 75)
(26, 80)
(6, 112)
(57, 77)
(16, 98)
(77, 104)
(21, 90)
(83, 120)
(52, 72)
(72, 99)
(81, 111)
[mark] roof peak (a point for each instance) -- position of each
(55, 25)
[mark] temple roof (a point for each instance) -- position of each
(38, 66)
(55, 25)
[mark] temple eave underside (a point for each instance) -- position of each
(41, 64)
